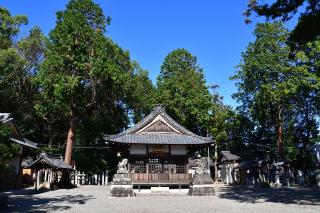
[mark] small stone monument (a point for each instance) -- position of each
(121, 185)
(201, 184)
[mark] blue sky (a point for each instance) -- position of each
(214, 31)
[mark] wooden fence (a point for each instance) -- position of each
(82, 178)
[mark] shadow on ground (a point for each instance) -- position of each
(32, 203)
(301, 196)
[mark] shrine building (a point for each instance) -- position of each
(159, 150)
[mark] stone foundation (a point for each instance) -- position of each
(121, 186)
(201, 185)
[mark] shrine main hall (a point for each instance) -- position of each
(159, 150)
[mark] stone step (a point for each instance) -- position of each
(160, 190)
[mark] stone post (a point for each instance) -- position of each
(318, 177)
(121, 185)
(201, 185)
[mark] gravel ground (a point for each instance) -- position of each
(227, 199)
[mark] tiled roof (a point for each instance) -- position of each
(25, 142)
(154, 138)
(228, 156)
(51, 161)
(5, 118)
(132, 135)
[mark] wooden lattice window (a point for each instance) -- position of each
(138, 166)
(181, 168)
(155, 166)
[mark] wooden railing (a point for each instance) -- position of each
(160, 177)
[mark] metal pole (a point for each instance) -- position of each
(216, 162)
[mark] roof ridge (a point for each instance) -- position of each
(183, 129)
(54, 162)
(157, 110)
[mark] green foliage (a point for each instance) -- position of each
(17, 68)
(7, 149)
(222, 118)
(9, 27)
(305, 31)
(141, 93)
(275, 91)
(182, 90)
(86, 75)
(83, 74)
(67, 76)
(79, 74)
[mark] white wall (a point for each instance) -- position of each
(178, 150)
(138, 149)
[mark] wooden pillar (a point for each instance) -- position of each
(49, 176)
(103, 178)
(45, 175)
(227, 173)
(147, 169)
(106, 177)
(147, 162)
(38, 179)
(75, 177)
(83, 179)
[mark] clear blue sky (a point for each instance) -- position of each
(214, 31)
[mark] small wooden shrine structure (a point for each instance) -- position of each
(48, 169)
(158, 150)
(228, 163)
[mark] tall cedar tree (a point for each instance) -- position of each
(19, 62)
(267, 80)
(141, 93)
(182, 90)
(75, 66)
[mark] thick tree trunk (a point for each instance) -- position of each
(70, 138)
(65, 181)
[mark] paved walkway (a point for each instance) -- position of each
(227, 199)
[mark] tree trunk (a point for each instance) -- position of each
(70, 138)
(65, 181)
(279, 132)
(279, 140)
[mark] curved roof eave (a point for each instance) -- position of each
(148, 119)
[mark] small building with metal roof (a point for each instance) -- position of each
(48, 168)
